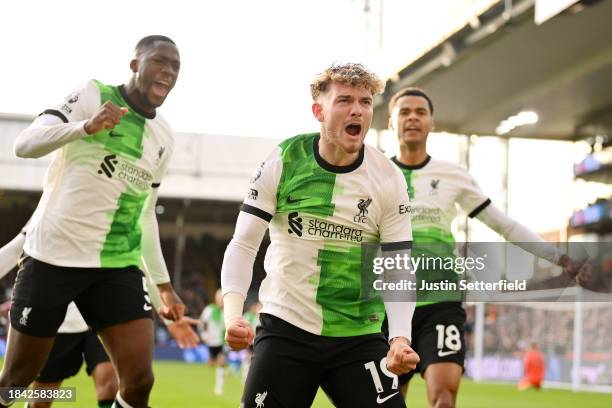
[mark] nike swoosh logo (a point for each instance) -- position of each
(112, 133)
(146, 307)
(382, 400)
(295, 200)
(446, 353)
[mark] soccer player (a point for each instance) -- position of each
(95, 221)
(435, 186)
(76, 342)
(213, 335)
(323, 195)
(534, 366)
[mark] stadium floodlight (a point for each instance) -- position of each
(520, 119)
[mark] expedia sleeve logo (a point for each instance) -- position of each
(113, 166)
(404, 209)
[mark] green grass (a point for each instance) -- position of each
(191, 385)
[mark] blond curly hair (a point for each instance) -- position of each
(347, 74)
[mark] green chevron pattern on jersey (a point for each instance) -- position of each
(345, 311)
(311, 187)
(431, 235)
(306, 187)
(408, 176)
(126, 137)
(217, 317)
(122, 244)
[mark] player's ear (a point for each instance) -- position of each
(433, 124)
(390, 124)
(317, 111)
(134, 65)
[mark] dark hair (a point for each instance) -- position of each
(149, 40)
(411, 91)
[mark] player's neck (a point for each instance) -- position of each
(135, 98)
(412, 155)
(335, 155)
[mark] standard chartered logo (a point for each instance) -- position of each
(322, 228)
(114, 167)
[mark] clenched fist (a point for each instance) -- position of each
(239, 334)
(401, 358)
(107, 117)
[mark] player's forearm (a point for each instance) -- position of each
(46, 134)
(237, 268)
(233, 304)
(518, 234)
(399, 305)
(399, 318)
(151, 247)
(155, 297)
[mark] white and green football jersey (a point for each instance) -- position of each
(96, 187)
(436, 187)
(320, 215)
(214, 326)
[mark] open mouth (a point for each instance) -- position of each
(160, 88)
(353, 129)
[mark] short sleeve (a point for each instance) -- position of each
(396, 228)
(165, 156)
(78, 105)
(471, 198)
(261, 194)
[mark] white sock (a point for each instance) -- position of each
(120, 402)
(219, 378)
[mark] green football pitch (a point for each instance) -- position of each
(191, 385)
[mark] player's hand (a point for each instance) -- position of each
(239, 334)
(581, 272)
(174, 308)
(183, 333)
(401, 358)
(568, 266)
(107, 117)
(585, 273)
